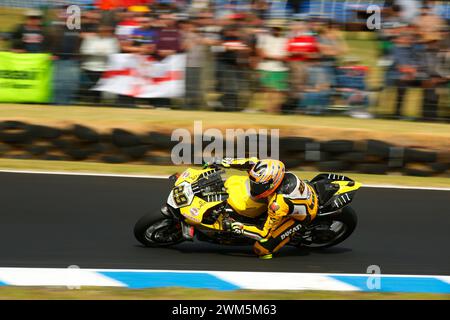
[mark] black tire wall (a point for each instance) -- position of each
(20, 140)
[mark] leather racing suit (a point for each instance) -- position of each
(293, 204)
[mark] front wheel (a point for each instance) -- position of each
(154, 231)
(328, 232)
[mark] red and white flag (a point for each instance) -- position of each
(143, 77)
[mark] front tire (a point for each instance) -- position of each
(156, 231)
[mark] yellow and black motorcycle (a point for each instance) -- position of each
(202, 203)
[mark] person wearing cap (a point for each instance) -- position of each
(29, 37)
(129, 22)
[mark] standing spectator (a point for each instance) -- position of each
(351, 85)
(435, 75)
(273, 71)
(261, 8)
(90, 20)
(65, 47)
(168, 42)
(194, 44)
(229, 75)
(403, 71)
(210, 31)
(316, 93)
(129, 21)
(302, 46)
(332, 45)
(29, 37)
(95, 50)
(391, 21)
(428, 22)
(142, 40)
(168, 38)
(252, 26)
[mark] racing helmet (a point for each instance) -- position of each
(265, 177)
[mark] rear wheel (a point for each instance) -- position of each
(328, 232)
(154, 231)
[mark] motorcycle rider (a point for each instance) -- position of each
(290, 202)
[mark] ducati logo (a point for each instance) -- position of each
(291, 231)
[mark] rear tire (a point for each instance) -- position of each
(349, 218)
(150, 229)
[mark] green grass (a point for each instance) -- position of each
(101, 293)
(9, 19)
(108, 117)
(139, 169)
(430, 135)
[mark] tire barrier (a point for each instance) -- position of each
(124, 138)
(15, 132)
(19, 140)
(85, 134)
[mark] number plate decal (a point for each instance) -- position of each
(181, 196)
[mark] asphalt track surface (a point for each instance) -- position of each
(63, 220)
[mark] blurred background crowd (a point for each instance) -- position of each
(299, 56)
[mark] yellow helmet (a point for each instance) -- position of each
(265, 177)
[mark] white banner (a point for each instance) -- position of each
(143, 77)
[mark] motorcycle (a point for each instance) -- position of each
(202, 203)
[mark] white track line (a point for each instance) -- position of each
(443, 277)
(93, 174)
(393, 186)
(145, 176)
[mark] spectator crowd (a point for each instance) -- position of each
(243, 60)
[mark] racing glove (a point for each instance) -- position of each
(225, 162)
(238, 162)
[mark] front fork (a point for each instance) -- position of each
(187, 231)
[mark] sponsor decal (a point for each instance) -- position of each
(274, 206)
(291, 231)
(301, 187)
(194, 211)
(185, 174)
